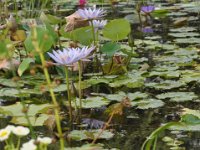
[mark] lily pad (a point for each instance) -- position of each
(80, 135)
(178, 96)
(148, 103)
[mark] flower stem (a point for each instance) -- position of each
(53, 97)
(18, 143)
(68, 92)
(80, 91)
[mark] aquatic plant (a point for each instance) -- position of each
(98, 24)
(147, 9)
(82, 2)
(71, 55)
(91, 13)
(7, 133)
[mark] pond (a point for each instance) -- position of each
(117, 74)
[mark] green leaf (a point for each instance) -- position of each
(79, 135)
(24, 65)
(82, 35)
(50, 18)
(36, 113)
(110, 48)
(44, 39)
(117, 29)
(178, 96)
(190, 119)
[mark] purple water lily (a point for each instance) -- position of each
(147, 9)
(70, 55)
(88, 13)
(98, 24)
(147, 30)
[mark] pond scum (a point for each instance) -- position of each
(95, 74)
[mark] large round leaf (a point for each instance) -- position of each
(117, 29)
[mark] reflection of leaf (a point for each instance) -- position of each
(79, 135)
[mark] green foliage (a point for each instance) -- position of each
(24, 65)
(82, 35)
(45, 38)
(117, 29)
(110, 48)
(79, 135)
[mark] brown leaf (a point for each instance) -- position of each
(75, 21)
(6, 64)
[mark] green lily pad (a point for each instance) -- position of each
(165, 85)
(132, 96)
(80, 135)
(36, 113)
(178, 96)
(92, 102)
(148, 103)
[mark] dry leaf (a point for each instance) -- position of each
(5, 64)
(75, 21)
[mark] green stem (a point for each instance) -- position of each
(93, 32)
(68, 92)
(18, 142)
(80, 91)
(53, 97)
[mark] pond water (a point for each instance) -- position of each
(160, 82)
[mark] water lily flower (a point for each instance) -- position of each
(21, 131)
(91, 13)
(147, 30)
(98, 24)
(10, 128)
(4, 134)
(44, 140)
(82, 2)
(147, 9)
(29, 145)
(71, 55)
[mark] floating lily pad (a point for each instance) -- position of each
(36, 113)
(121, 95)
(165, 85)
(178, 96)
(80, 135)
(92, 102)
(148, 103)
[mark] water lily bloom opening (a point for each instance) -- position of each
(4, 134)
(147, 9)
(21, 131)
(91, 13)
(98, 24)
(71, 55)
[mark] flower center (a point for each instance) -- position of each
(3, 133)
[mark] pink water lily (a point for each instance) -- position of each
(71, 55)
(91, 13)
(82, 2)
